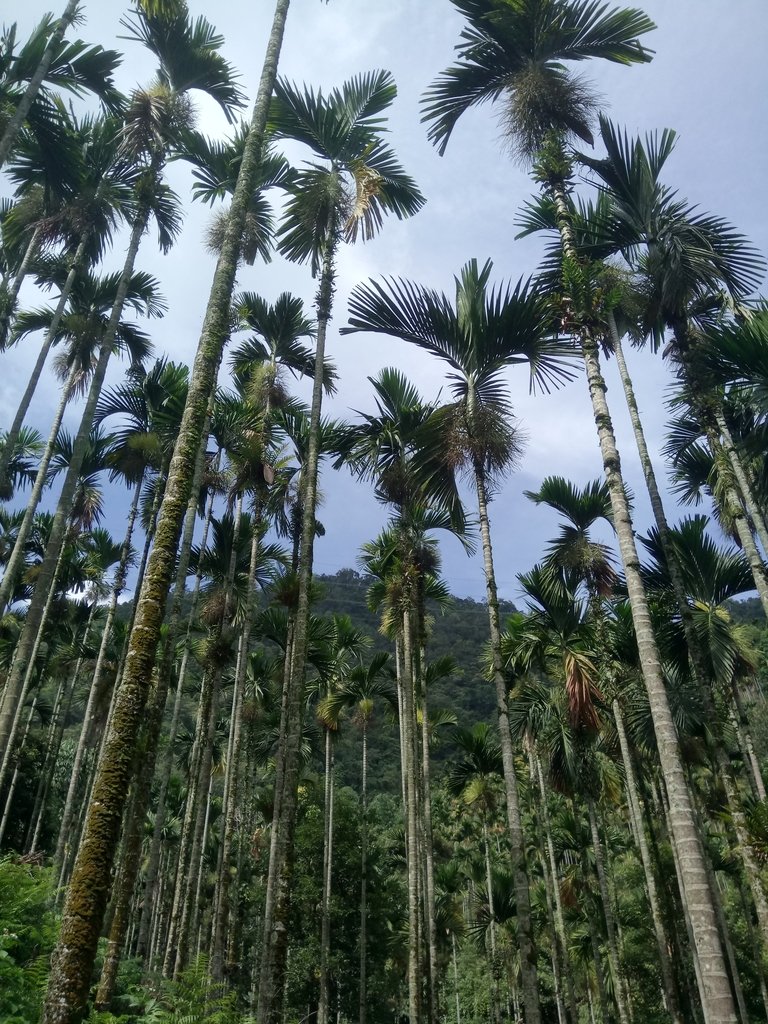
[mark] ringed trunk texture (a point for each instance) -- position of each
(74, 955)
(411, 815)
(636, 811)
(517, 839)
(745, 485)
(716, 994)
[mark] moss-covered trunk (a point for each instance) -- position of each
(74, 955)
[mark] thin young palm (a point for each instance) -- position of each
(356, 183)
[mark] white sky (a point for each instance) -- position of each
(709, 81)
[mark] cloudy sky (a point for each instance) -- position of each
(708, 80)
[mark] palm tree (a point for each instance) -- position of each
(359, 690)
(505, 57)
(474, 779)
(687, 260)
(102, 187)
(46, 57)
(478, 335)
(348, 194)
(73, 959)
(135, 342)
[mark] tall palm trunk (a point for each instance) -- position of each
(697, 665)
(153, 861)
(495, 995)
(10, 295)
(231, 803)
(64, 506)
(33, 87)
(514, 819)
(558, 900)
(717, 994)
(409, 722)
(323, 1008)
(25, 681)
(610, 920)
(61, 709)
(18, 420)
(97, 689)
(636, 812)
(426, 814)
(134, 828)
(363, 1004)
(288, 761)
(74, 954)
(745, 486)
(16, 560)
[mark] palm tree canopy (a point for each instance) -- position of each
(573, 549)
(188, 53)
(521, 49)
(360, 180)
(478, 334)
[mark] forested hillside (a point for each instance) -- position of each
(234, 790)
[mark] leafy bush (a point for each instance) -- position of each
(27, 935)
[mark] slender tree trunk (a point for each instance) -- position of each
(429, 860)
(455, 979)
(516, 836)
(231, 803)
(33, 87)
(288, 761)
(26, 681)
(636, 812)
(323, 1008)
(11, 438)
(16, 561)
(409, 720)
(747, 492)
(74, 954)
(363, 1010)
(741, 724)
(97, 688)
(610, 922)
(495, 994)
(559, 917)
(64, 506)
(134, 830)
(15, 777)
(716, 994)
(11, 294)
(153, 861)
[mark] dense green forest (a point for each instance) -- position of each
(235, 790)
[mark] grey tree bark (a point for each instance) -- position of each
(716, 994)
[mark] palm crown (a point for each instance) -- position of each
(520, 50)
(360, 180)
